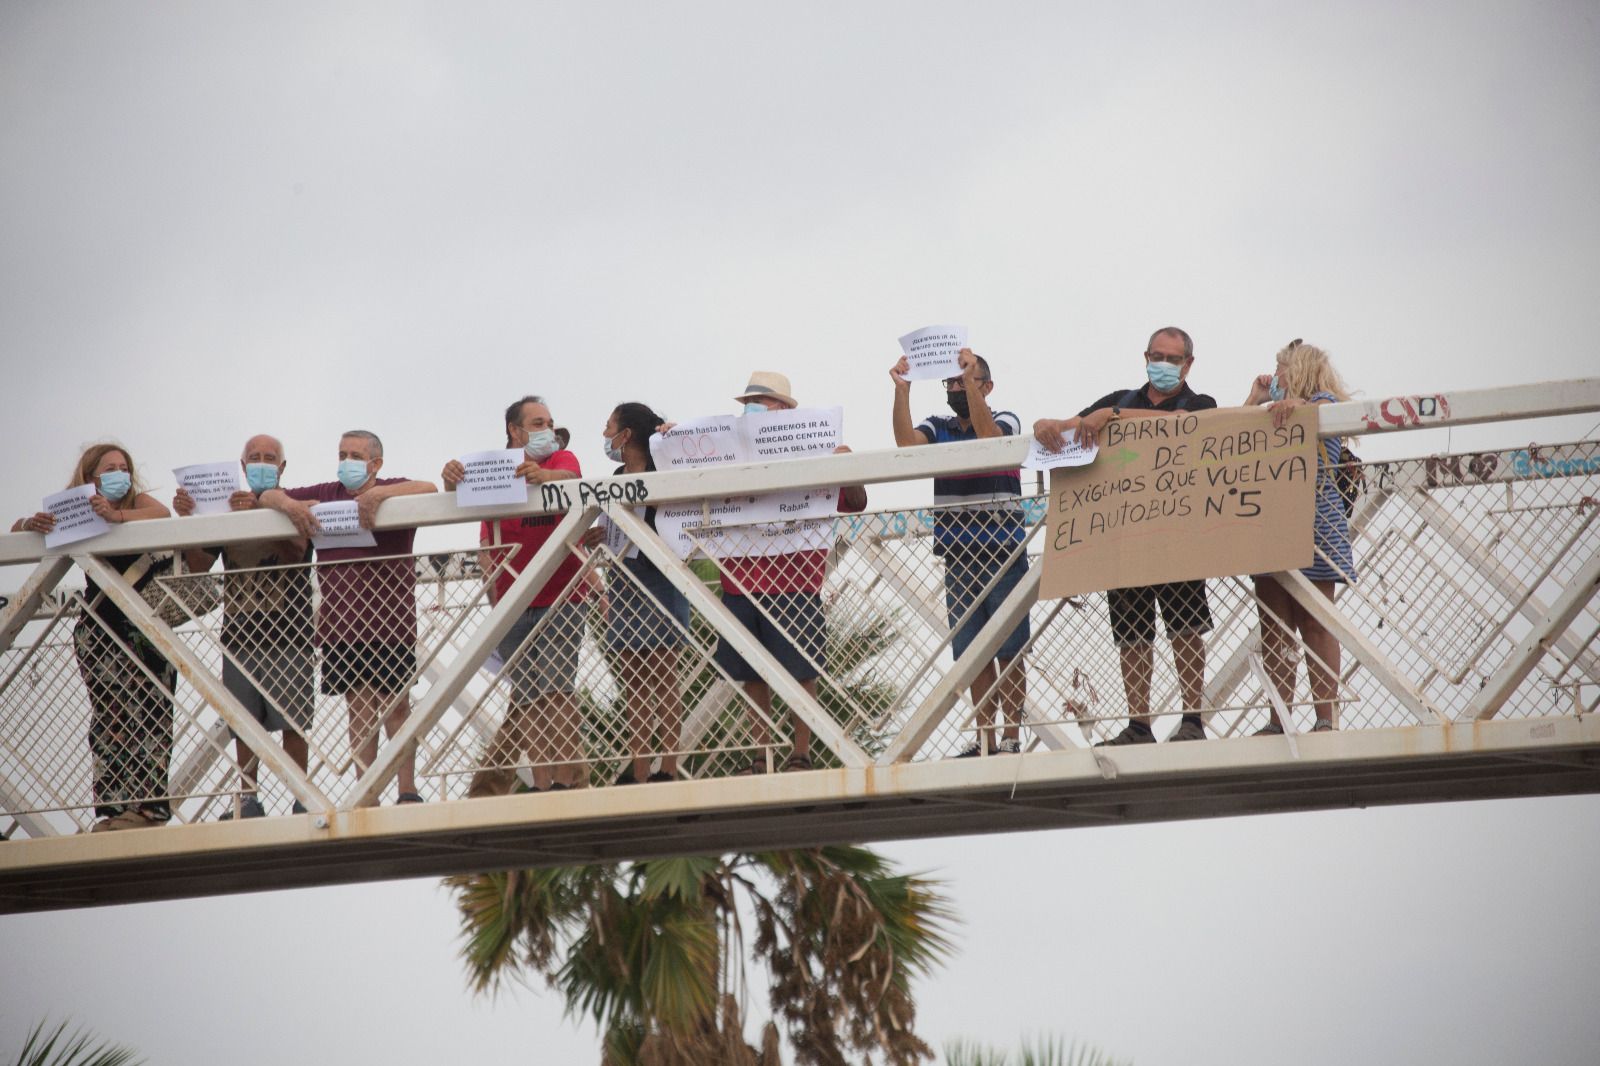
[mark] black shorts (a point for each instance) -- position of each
(1133, 611)
(386, 668)
(795, 635)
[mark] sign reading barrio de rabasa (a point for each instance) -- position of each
(1184, 496)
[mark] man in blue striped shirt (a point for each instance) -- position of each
(978, 531)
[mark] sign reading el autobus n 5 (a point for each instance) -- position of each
(1178, 497)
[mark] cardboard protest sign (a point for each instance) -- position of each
(1183, 497)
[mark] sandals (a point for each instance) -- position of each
(799, 761)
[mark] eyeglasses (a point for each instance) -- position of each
(1175, 360)
(958, 383)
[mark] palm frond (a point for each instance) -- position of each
(60, 1048)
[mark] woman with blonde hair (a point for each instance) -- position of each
(1304, 375)
(130, 722)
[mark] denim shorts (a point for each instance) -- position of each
(647, 611)
(551, 663)
(965, 576)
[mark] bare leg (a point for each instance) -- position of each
(1277, 612)
(394, 716)
(562, 732)
(1136, 662)
(249, 763)
(1013, 695)
(983, 713)
(760, 694)
(1189, 658)
(802, 731)
(363, 705)
(633, 667)
(1322, 665)
(668, 704)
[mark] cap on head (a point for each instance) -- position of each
(767, 383)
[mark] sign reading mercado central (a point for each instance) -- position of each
(1183, 497)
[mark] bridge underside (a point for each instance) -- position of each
(1042, 790)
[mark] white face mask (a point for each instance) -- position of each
(541, 444)
(614, 451)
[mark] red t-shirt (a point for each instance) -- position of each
(365, 602)
(531, 532)
(774, 575)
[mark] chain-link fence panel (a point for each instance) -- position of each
(608, 678)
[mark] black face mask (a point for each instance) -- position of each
(958, 403)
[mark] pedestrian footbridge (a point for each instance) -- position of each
(1469, 668)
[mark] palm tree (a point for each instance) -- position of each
(655, 952)
(60, 1048)
(1045, 1052)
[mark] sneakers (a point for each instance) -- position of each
(128, 819)
(1322, 726)
(662, 775)
(298, 808)
(1271, 729)
(408, 797)
(627, 778)
(249, 807)
(491, 782)
(1188, 729)
(1132, 733)
(799, 761)
(1009, 747)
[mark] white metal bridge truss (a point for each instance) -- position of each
(1470, 668)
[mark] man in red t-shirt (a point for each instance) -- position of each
(542, 716)
(779, 598)
(367, 620)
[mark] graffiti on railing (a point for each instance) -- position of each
(1529, 463)
(1406, 411)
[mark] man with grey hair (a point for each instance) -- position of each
(367, 621)
(268, 664)
(1184, 609)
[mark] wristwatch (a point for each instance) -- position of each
(1116, 412)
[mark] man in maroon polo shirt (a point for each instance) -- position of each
(367, 620)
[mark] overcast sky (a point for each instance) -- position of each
(219, 219)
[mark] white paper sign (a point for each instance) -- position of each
(675, 521)
(492, 479)
(341, 526)
(699, 443)
(724, 439)
(1071, 454)
(210, 484)
(616, 541)
(75, 519)
(934, 351)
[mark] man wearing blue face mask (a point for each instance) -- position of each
(1184, 608)
(268, 663)
(366, 625)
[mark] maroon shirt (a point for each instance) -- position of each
(373, 602)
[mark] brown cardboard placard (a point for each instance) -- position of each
(1185, 496)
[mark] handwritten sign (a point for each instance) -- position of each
(341, 526)
(932, 352)
(722, 439)
(1071, 454)
(75, 519)
(1183, 497)
(492, 479)
(210, 484)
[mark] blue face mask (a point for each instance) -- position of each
(1164, 376)
(261, 476)
(352, 473)
(541, 445)
(114, 484)
(1275, 390)
(613, 452)
(755, 408)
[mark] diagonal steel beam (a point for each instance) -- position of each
(474, 650)
(210, 686)
(45, 577)
(926, 718)
(1367, 653)
(823, 725)
(1532, 647)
